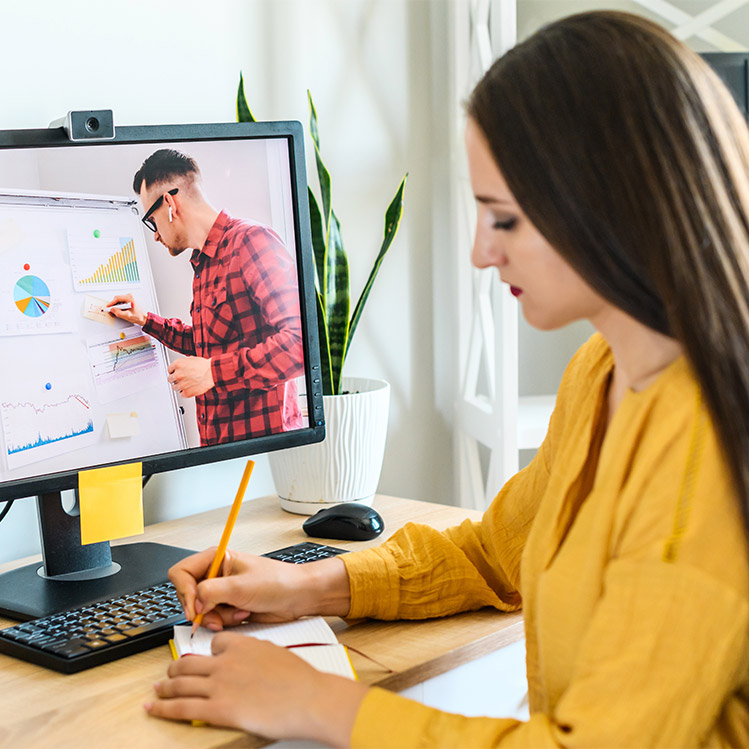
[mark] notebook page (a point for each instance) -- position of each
(332, 659)
(309, 629)
(313, 629)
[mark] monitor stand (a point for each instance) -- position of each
(72, 575)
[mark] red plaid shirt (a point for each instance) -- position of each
(246, 320)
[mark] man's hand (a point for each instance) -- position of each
(261, 688)
(135, 315)
(191, 376)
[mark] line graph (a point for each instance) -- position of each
(30, 426)
(132, 354)
(123, 363)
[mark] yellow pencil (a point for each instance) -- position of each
(228, 528)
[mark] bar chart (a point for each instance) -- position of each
(102, 262)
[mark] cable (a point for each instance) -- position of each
(6, 509)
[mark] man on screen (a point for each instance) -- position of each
(244, 346)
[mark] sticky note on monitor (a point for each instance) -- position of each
(123, 425)
(95, 309)
(111, 502)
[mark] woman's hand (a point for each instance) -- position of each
(265, 589)
(259, 687)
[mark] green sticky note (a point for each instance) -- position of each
(111, 502)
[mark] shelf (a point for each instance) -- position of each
(534, 412)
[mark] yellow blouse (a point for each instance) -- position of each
(629, 556)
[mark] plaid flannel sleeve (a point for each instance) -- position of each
(173, 333)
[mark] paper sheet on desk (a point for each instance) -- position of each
(310, 629)
(327, 654)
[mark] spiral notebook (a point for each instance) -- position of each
(311, 638)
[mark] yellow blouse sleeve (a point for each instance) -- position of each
(421, 573)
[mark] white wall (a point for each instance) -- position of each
(374, 71)
(378, 71)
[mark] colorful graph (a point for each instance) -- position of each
(32, 296)
(127, 356)
(122, 267)
(30, 426)
(125, 364)
(34, 302)
(101, 262)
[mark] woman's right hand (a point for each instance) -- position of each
(264, 589)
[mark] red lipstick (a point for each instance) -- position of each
(515, 291)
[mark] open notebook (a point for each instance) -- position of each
(311, 638)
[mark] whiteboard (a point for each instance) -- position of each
(75, 390)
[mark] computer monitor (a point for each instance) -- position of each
(81, 388)
(733, 69)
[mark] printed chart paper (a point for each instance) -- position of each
(123, 363)
(33, 303)
(98, 261)
(43, 417)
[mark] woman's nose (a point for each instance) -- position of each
(484, 253)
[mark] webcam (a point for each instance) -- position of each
(86, 125)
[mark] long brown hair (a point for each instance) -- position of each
(630, 156)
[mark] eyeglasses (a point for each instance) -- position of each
(147, 220)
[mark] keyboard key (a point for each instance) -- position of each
(153, 626)
(70, 650)
(117, 637)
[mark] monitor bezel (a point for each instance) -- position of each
(293, 133)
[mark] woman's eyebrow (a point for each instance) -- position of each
(493, 200)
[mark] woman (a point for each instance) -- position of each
(611, 171)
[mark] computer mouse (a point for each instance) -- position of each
(349, 521)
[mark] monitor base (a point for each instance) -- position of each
(25, 595)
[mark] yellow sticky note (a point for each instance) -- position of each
(111, 502)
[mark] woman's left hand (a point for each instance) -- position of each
(261, 688)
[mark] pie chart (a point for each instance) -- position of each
(31, 296)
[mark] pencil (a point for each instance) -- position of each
(228, 528)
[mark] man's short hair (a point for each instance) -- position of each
(163, 166)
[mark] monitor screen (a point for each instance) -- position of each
(157, 306)
(212, 348)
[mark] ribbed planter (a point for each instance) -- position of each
(346, 465)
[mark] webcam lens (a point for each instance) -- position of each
(92, 124)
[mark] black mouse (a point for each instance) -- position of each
(349, 521)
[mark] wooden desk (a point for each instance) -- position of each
(103, 706)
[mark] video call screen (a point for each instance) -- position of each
(80, 387)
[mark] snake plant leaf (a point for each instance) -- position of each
(318, 243)
(322, 326)
(323, 175)
(392, 223)
(337, 301)
(243, 109)
(331, 262)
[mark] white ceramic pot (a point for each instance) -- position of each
(346, 465)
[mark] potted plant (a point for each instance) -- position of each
(346, 466)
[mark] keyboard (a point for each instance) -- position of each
(307, 551)
(89, 636)
(75, 640)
